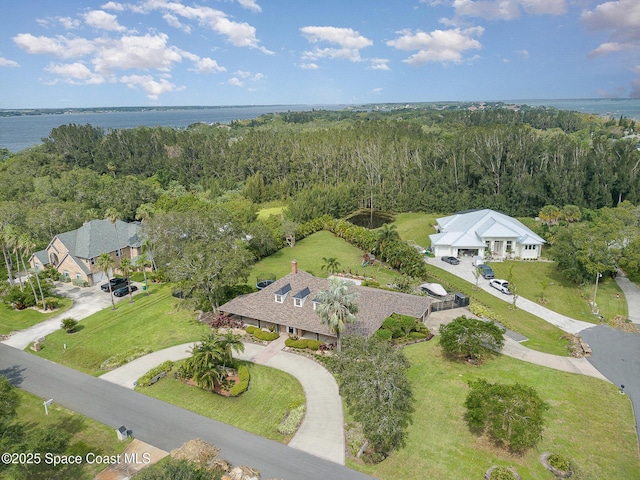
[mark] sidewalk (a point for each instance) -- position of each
(321, 432)
(631, 295)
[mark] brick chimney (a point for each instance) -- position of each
(294, 266)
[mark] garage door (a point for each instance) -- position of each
(99, 277)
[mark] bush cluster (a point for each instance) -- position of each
(291, 420)
(224, 320)
(502, 473)
(398, 326)
(78, 282)
(242, 385)
(261, 334)
(559, 462)
(303, 343)
(145, 380)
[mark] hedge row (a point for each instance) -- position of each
(303, 343)
(291, 421)
(242, 384)
(145, 380)
(261, 334)
(126, 357)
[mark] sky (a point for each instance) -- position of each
(57, 54)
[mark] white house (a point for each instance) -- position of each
(486, 233)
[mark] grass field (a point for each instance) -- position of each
(309, 253)
(12, 320)
(266, 212)
(259, 410)
(416, 227)
(589, 422)
(88, 436)
(151, 321)
(562, 295)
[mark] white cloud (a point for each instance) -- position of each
(523, 53)
(609, 48)
(508, 9)
(103, 21)
(379, 64)
(250, 5)
(175, 22)
(119, 7)
(208, 65)
(236, 82)
(135, 52)
(239, 34)
(242, 74)
(5, 62)
(309, 66)
(68, 22)
(438, 46)
(377, 91)
(59, 46)
(153, 88)
(75, 74)
(349, 43)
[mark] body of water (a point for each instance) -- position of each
(20, 132)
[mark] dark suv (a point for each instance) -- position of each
(486, 271)
(115, 283)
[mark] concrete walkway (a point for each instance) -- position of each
(465, 271)
(321, 432)
(631, 294)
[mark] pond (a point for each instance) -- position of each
(371, 220)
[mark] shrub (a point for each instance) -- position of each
(470, 338)
(559, 462)
(52, 302)
(78, 282)
(301, 343)
(417, 335)
(502, 473)
(384, 334)
(223, 320)
(69, 325)
(145, 380)
(291, 420)
(265, 336)
(242, 385)
(314, 344)
(250, 329)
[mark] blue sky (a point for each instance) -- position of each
(240, 52)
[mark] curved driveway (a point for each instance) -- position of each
(321, 432)
(161, 424)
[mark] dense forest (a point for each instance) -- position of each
(325, 162)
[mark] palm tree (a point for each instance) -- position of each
(4, 241)
(331, 265)
(125, 266)
(205, 366)
(11, 237)
(112, 215)
(28, 245)
(337, 306)
(20, 244)
(230, 343)
(387, 234)
(145, 211)
(105, 262)
(142, 261)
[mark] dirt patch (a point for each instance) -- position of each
(139, 454)
(624, 324)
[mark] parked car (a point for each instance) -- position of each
(451, 260)
(486, 271)
(116, 282)
(122, 291)
(501, 285)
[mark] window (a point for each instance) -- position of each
(78, 276)
(509, 246)
(530, 247)
(297, 302)
(92, 261)
(301, 296)
(282, 293)
(66, 273)
(291, 330)
(119, 252)
(279, 298)
(315, 304)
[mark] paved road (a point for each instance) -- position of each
(617, 355)
(158, 423)
(631, 294)
(465, 271)
(321, 432)
(86, 301)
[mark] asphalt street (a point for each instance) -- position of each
(158, 423)
(616, 354)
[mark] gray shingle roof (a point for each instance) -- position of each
(99, 236)
(374, 305)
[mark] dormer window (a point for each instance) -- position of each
(301, 296)
(281, 294)
(316, 302)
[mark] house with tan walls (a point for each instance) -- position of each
(74, 254)
(288, 306)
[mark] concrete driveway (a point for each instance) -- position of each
(86, 301)
(631, 294)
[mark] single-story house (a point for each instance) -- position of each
(288, 306)
(74, 253)
(486, 233)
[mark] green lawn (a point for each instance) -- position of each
(259, 410)
(88, 436)
(151, 321)
(562, 295)
(12, 320)
(266, 212)
(417, 227)
(589, 422)
(309, 253)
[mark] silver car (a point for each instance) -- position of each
(501, 285)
